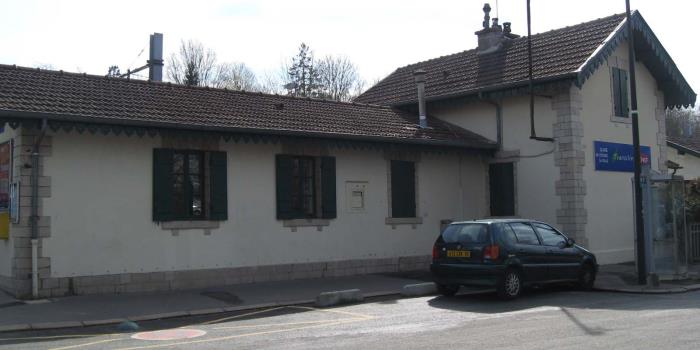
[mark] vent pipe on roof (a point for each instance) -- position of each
(155, 58)
(420, 84)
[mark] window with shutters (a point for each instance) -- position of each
(403, 189)
(306, 187)
(189, 185)
(619, 91)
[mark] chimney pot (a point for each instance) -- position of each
(419, 75)
(487, 17)
(490, 38)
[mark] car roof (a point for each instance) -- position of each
(492, 221)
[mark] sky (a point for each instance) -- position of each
(377, 35)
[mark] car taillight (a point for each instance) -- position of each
(436, 252)
(491, 252)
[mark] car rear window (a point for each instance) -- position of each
(465, 233)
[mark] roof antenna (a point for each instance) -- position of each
(533, 134)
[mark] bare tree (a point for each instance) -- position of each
(339, 78)
(235, 76)
(192, 65)
(682, 122)
(273, 82)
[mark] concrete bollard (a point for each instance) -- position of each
(326, 299)
(420, 289)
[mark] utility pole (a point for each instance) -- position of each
(634, 114)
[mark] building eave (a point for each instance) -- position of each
(109, 125)
(677, 94)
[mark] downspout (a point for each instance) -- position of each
(533, 134)
(34, 217)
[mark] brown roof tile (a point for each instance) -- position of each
(87, 98)
(556, 54)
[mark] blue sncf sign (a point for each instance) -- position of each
(610, 156)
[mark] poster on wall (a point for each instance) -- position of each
(5, 162)
(610, 156)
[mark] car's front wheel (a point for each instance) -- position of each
(512, 285)
(447, 289)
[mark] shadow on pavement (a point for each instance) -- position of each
(564, 297)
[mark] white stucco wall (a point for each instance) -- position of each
(7, 250)
(689, 162)
(534, 167)
(609, 202)
(101, 223)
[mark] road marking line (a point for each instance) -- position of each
(290, 323)
(234, 336)
(86, 344)
(334, 311)
(242, 315)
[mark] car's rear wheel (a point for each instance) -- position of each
(586, 277)
(511, 286)
(447, 290)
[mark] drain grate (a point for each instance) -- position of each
(224, 296)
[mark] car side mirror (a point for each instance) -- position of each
(570, 242)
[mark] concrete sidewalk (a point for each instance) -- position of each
(623, 278)
(107, 309)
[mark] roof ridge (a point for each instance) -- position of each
(516, 39)
(181, 86)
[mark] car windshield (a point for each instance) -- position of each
(465, 233)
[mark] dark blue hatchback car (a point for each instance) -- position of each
(508, 254)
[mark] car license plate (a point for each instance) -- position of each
(459, 254)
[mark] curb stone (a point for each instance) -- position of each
(199, 312)
(326, 299)
(51, 325)
(15, 327)
(103, 322)
(140, 318)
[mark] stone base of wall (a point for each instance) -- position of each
(193, 279)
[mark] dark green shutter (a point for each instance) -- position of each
(219, 186)
(624, 106)
(616, 92)
(328, 198)
(403, 189)
(163, 204)
(283, 171)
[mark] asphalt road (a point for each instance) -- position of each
(549, 319)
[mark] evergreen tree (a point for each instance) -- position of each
(302, 75)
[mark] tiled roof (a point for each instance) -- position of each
(26, 92)
(689, 144)
(557, 53)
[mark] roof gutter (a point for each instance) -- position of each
(570, 77)
(270, 132)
